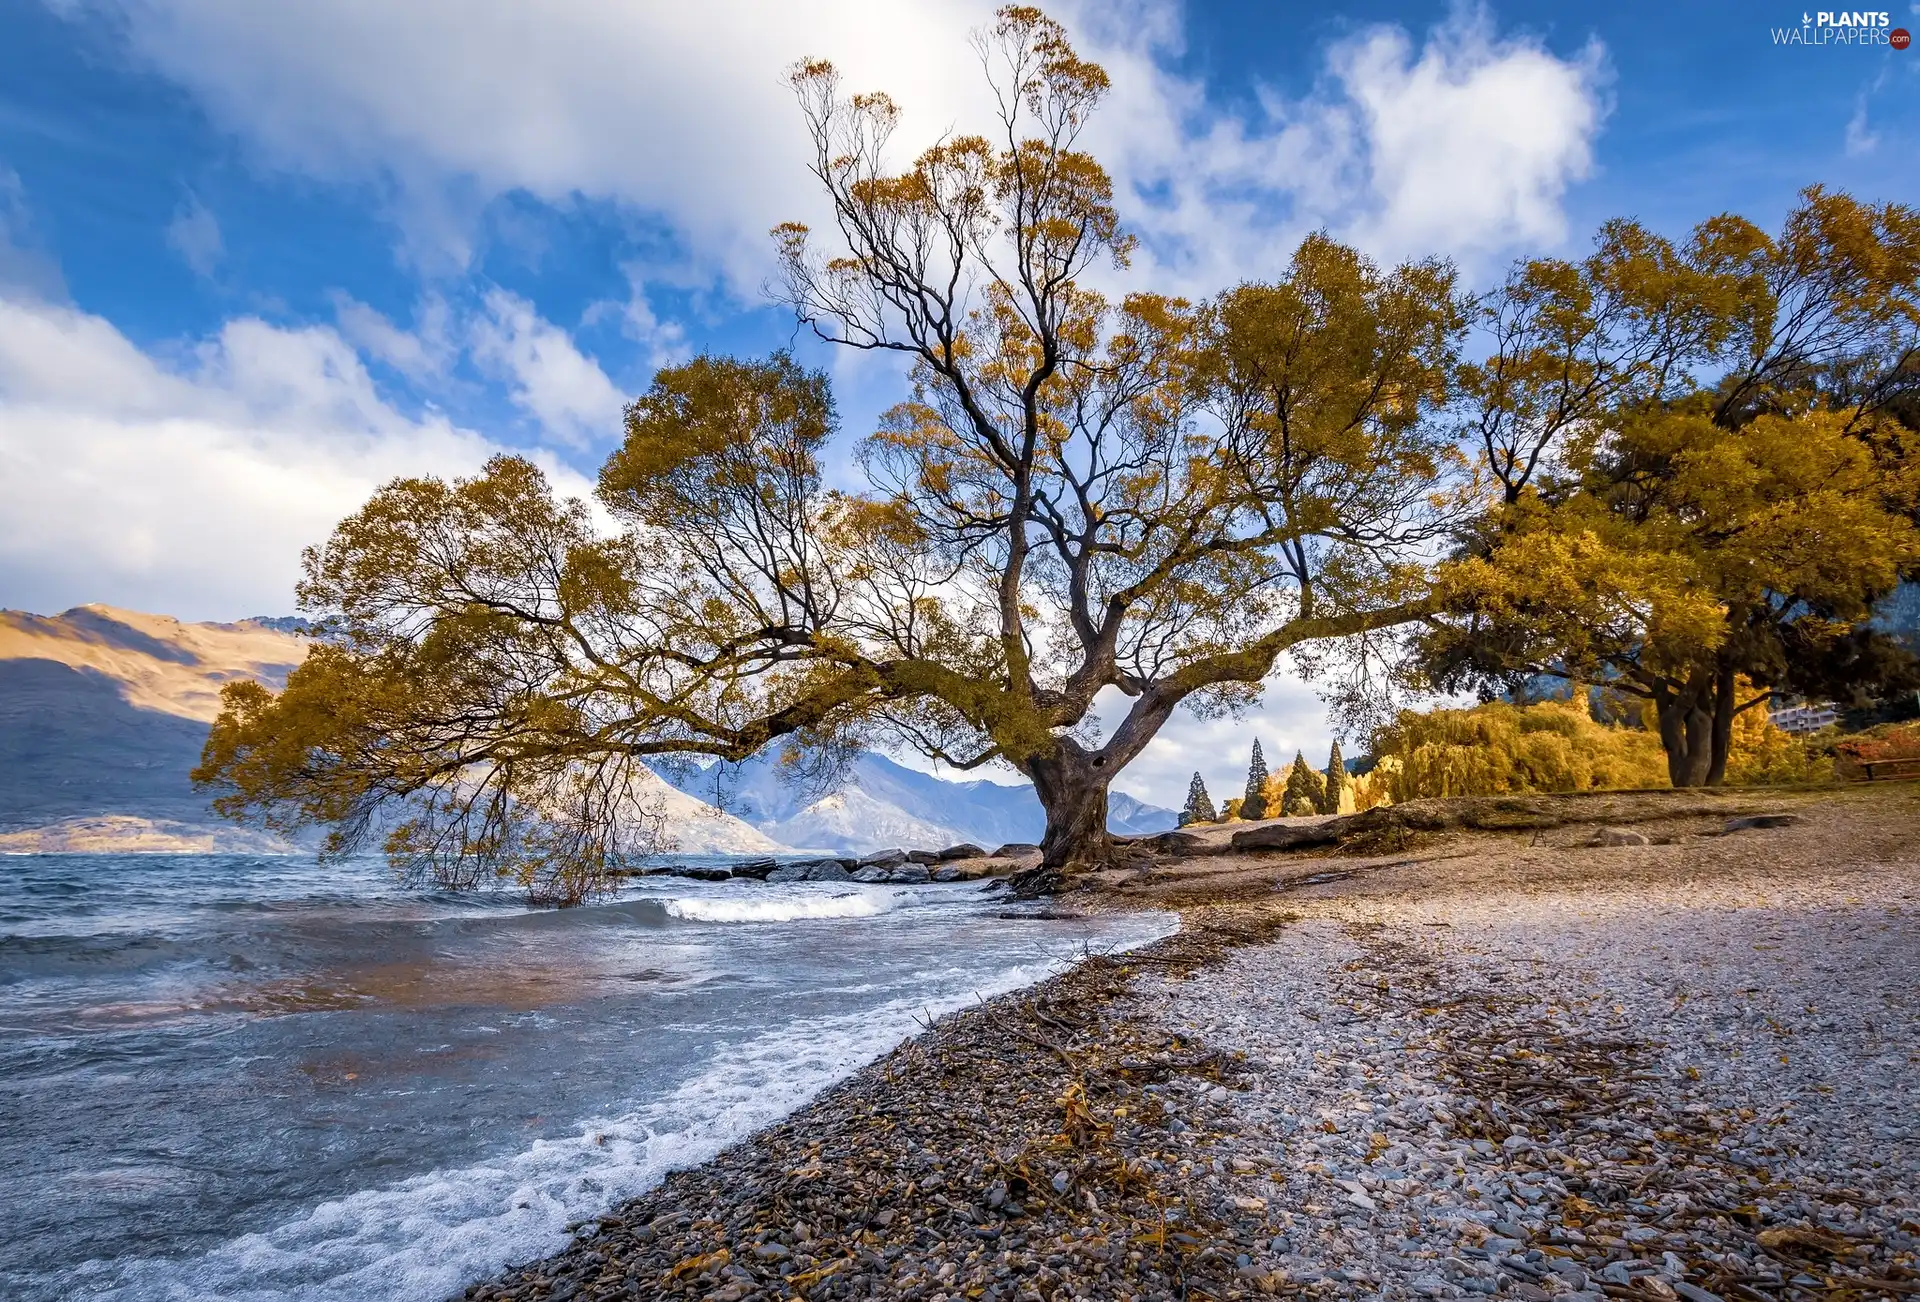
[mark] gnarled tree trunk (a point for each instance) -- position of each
(1072, 787)
(1725, 688)
(1686, 719)
(1074, 795)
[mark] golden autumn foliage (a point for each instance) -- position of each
(1764, 756)
(1700, 467)
(1499, 748)
(1502, 749)
(1680, 464)
(1373, 788)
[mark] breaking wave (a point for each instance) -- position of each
(856, 905)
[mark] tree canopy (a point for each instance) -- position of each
(1304, 790)
(1700, 470)
(1199, 807)
(1663, 467)
(1253, 800)
(1337, 781)
(1081, 493)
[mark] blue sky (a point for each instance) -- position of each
(255, 259)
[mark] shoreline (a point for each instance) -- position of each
(1454, 1072)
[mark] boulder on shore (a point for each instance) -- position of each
(1015, 850)
(1618, 836)
(1754, 822)
(1175, 843)
(870, 876)
(809, 870)
(700, 872)
(923, 856)
(884, 859)
(755, 868)
(911, 874)
(965, 850)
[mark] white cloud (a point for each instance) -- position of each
(190, 490)
(422, 353)
(25, 266)
(194, 233)
(549, 378)
(1860, 139)
(661, 342)
(679, 109)
(1289, 718)
(1472, 144)
(1464, 145)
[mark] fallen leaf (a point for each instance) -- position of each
(1805, 1241)
(706, 1261)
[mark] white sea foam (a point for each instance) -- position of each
(429, 1236)
(856, 904)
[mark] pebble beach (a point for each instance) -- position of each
(1492, 1065)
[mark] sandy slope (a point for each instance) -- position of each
(161, 663)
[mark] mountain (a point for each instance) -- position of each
(103, 713)
(102, 716)
(156, 663)
(695, 827)
(879, 804)
(853, 820)
(1130, 817)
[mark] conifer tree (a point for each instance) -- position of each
(1254, 803)
(1199, 807)
(1336, 776)
(1306, 789)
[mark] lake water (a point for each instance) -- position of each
(247, 1077)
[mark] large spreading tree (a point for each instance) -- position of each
(1085, 492)
(1698, 473)
(1102, 504)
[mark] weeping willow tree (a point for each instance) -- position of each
(1081, 493)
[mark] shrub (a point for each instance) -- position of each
(1886, 742)
(1374, 787)
(1497, 749)
(1763, 755)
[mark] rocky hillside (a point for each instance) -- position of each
(103, 713)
